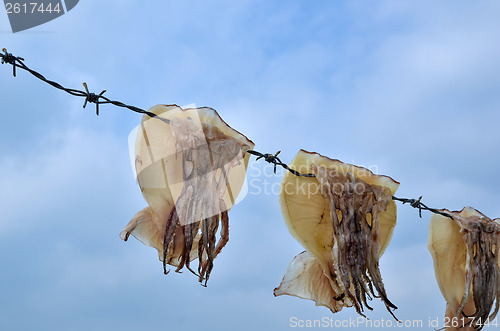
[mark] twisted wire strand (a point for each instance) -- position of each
(98, 99)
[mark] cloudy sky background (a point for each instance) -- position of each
(409, 89)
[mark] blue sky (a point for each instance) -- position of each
(409, 89)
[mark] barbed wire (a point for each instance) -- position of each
(98, 99)
(415, 203)
(274, 159)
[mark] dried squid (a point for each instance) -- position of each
(190, 167)
(466, 262)
(344, 217)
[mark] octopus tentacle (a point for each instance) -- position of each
(190, 231)
(172, 223)
(209, 236)
(213, 225)
(206, 246)
(224, 234)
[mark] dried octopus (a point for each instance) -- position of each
(354, 213)
(465, 250)
(194, 155)
(344, 218)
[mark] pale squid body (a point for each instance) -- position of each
(190, 167)
(344, 217)
(466, 263)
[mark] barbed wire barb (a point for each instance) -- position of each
(92, 97)
(10, 59)
(416, 203)
(274, 159)
(17, 62)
